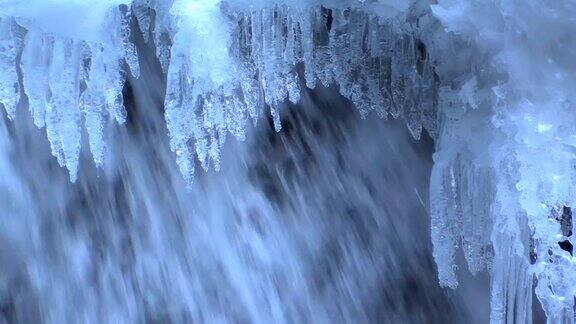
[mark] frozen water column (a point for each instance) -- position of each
(514, 107)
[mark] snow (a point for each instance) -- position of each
(493, 82)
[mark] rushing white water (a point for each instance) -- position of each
(323, 222)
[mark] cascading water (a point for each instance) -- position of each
(323, 222)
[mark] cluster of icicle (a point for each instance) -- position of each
(502, 185)
(223, 66)
(67, 82)
(220, 79)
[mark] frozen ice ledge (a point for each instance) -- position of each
(493, 82)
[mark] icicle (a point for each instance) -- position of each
(92, 103)
(444, 225)
(307, 30)
(9, 87)
(34, 65)
(63, 113)
(130, 53)
(141, 10)
(185, 161)
(476, 194)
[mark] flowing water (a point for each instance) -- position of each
(324, 222)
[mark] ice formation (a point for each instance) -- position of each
(491, 81)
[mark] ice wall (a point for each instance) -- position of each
(491, 81)
(517, 158)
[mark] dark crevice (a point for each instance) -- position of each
(566, 246)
